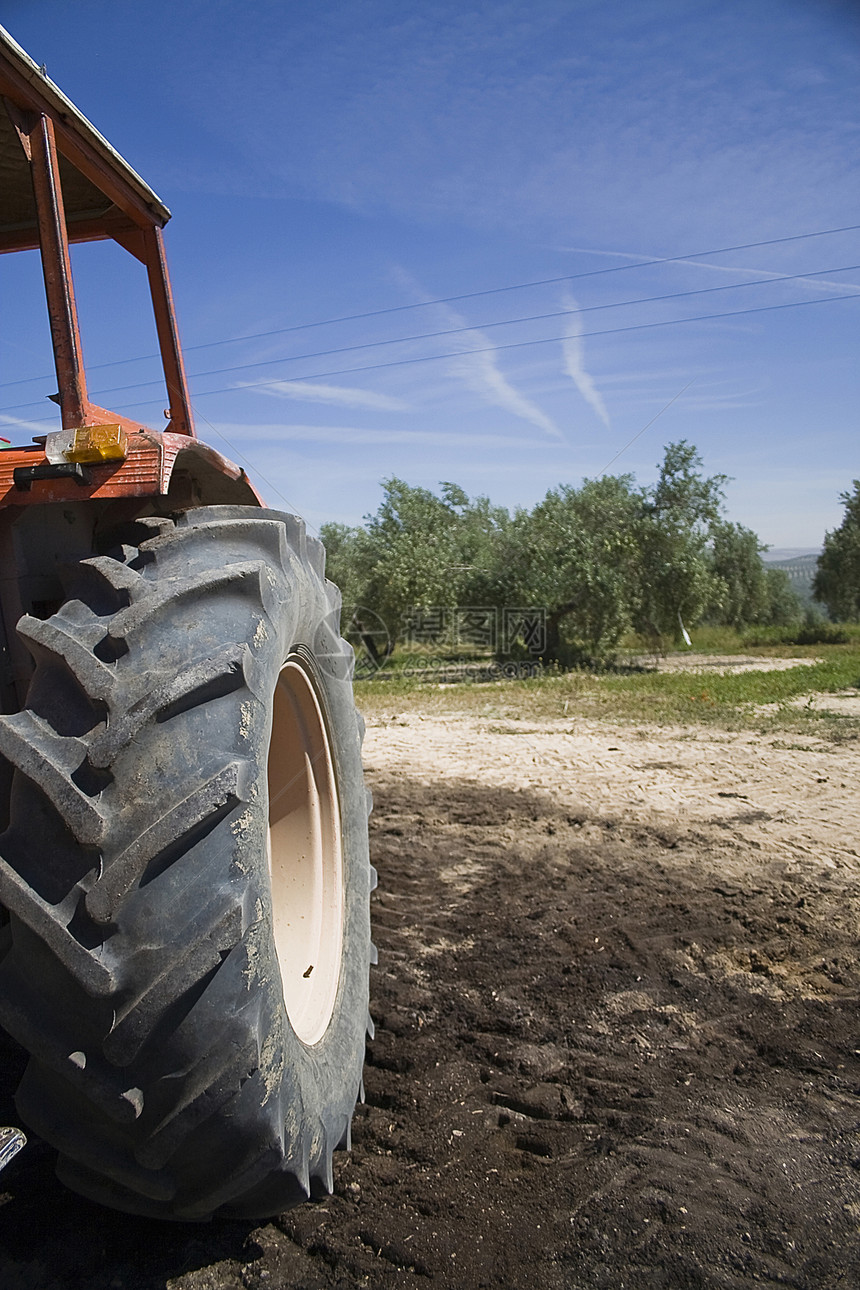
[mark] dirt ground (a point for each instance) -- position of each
(617, 1039)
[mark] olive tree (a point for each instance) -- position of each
(837, 579)
(676, 580)
(573, 555)
(741, 594)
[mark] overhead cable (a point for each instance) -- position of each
(519, 344)
(472, 295)
(454, 331)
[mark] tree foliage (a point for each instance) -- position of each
(784, 605)
(675, 576)
(741, 592)
(578, 553)
(596, 559)
(837, 579)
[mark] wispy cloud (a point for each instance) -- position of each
(704, 403)
(574, 361)
(651, 374)
(362, 435)
(642, 389)
(340, 395)
(758, 275)
(480, 371)
(28, 427)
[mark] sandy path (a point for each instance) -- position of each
(616, 1036)
(794, 797)
(722, 664)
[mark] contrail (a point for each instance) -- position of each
(574, 362)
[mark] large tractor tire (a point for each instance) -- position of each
(186, 871)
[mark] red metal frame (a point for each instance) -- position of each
(45, 131)
(171, 465)
(179, 405)
(38, 139)
(46, 504)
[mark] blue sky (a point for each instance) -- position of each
(329, 159)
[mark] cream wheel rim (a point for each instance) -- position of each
(305, 853)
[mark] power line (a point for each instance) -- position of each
(470, 295)
(293, 508)
(505, 322)
(494, 349)
(454, 331)
(521, 344)
(647, 426)
(522, 286)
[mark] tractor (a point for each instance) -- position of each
(184, 872)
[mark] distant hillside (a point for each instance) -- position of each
(789, 553)
(800, 569)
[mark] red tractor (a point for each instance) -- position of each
(184, 874)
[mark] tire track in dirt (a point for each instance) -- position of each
(593, 1066)
(607, 1055)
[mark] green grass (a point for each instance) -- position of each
(747, 700)
(706, 640)
(754, 640)
(696, 695)
(811, 634)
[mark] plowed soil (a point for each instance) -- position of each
(617, 1033)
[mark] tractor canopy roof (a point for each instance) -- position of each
(103, 196)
